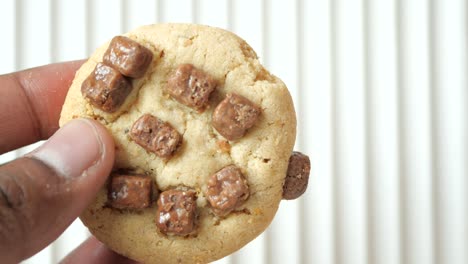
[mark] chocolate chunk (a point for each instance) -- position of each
(176, 214)
(227, 189)
(155, 136)
(130, 191)
(297, 176)
(106, 88)
(128, 56)
(234, 115)
(190, 86)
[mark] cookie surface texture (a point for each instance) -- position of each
(261, 154)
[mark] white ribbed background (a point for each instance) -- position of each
(381, 92)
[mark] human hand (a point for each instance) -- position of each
(44, 191)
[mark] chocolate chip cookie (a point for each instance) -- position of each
(203, 135)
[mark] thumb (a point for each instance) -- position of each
(42, 193)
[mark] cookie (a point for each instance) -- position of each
(203, 136)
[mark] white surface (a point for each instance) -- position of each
(318, 232)
(381, 92)
(450, 88)
(349, 135)
(382, 132)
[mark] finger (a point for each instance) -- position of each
(94, 252)
(30, 103)
(42, 193)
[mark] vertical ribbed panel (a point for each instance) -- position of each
(205, 15)
(318, 234)
(415, 149)
(381, 97)
(449, 117)
(349, 133)
(33, 33)
(382, 132)
(381, 92)
(138, 13)
(176, 11)
(68, 30)
(104, 21)
(8, 43)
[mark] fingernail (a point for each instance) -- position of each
(72, 149)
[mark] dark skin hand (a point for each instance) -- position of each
(44, 191)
